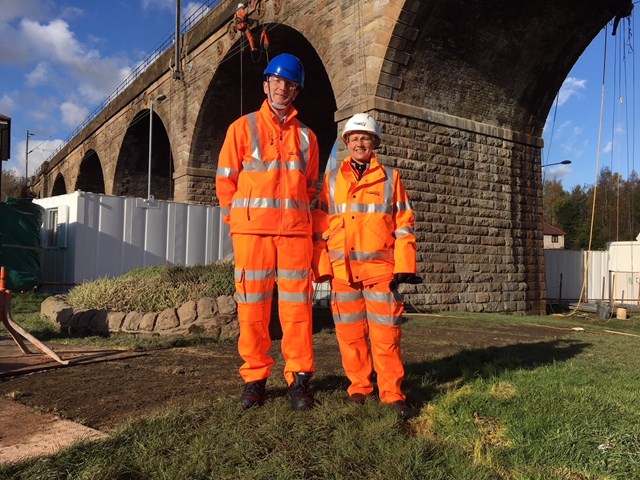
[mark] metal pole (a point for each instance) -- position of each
(150, 141)
(26, 159)
(158, 99)
(2, 122)
(177, 73)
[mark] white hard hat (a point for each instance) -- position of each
(240, 5)
(363, 122)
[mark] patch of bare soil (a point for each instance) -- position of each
(104, 394)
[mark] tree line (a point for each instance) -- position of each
(615, 212)
(12, 185)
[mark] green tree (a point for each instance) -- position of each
(552, 193)
(12, 185)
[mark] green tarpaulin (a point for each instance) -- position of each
(20, 222)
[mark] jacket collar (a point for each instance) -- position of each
(267, 111)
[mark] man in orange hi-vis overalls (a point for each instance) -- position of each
(266, 179)
(365, 244)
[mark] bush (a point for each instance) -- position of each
(152, 289)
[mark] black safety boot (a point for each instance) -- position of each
(254, 393)
(404, 411)
(298, 394)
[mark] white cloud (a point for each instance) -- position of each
(38, 75)
(39, 151)
(94, 75)
(151, 4)
(7, 104)
(571, 87)
(199, 10)
(73, 114)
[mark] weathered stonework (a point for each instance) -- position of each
(208, 319)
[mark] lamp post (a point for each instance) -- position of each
(563, 162)
(26, 159)
(158, 99)
(3, 124)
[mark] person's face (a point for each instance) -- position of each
(280, 91)
(360, 146)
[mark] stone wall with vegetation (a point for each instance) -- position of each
(214, 317)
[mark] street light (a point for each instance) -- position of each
(563, 162)
(26, 158)
(158, 99)
(3, 124)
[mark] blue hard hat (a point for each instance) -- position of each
(286, 66)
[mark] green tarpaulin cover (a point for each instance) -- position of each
(20, 221)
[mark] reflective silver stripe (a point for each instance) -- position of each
(261, 166)
(388, 186)
(256, 154)
(384, 319)
(225, 210)
(227, 172)
(254, 274)
(349, 317)
(323, 207)
(293, 274)
(367, 256)
(254, 297)
(403, 232)
(371, 208)
(403, 206)
(348, 296)
(296, 205)
(379, 296)
(292, 297)
(269, 203)
(294, 165)
(304, 147)
(336, 254)
(333, 175)
(255, 203)
(339, 208)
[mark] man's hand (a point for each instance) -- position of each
(399, 278)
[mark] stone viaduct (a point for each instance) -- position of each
(462, 89)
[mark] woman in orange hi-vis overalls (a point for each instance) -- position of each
(266, 179)
(365, 244)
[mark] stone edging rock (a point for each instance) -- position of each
(214, 317)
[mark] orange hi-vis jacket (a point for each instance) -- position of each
(267, 174)
(363, 229)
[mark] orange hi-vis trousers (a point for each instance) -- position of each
(367, 320)
(259, 260)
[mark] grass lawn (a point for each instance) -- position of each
(513, 412)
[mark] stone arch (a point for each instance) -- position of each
(234, 82)
(508, 60)
(132, 170)
(59, 186)
(90, 177)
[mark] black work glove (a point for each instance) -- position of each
(399, 278)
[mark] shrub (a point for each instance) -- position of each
(152, 289)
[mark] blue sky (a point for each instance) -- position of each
(59, 59)
(592, 122)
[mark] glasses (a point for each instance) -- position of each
(281, 82)
(365, 139)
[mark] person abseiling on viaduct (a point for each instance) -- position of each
(266, 179)
(365, 245)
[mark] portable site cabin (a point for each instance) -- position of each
(87, 236)
(611, 276)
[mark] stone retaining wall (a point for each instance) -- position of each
(214, 317)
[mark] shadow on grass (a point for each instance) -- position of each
(422, 379)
